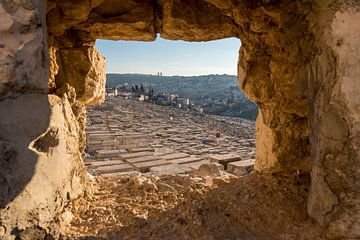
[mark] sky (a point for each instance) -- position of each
(171, 57)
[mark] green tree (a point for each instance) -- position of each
(142, 89)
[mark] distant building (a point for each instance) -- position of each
(173, 97)
(111, 92)
(143, 98)
(125, 94)
(184, 101)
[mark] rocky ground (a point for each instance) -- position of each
(183, 207)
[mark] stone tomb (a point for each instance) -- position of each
(240, 168)
(224, 159)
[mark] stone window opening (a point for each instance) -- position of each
(167, 132)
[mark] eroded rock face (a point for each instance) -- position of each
(194, 21)
(84, 70)
(272, 61)
(41, 166)
(40, 162)
(22, 35)
(335, 113)
(126, 20)
(298, 61)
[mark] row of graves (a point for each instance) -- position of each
(125, 142)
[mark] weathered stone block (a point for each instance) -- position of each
(124, 167)
(41, 167)
(173, 156)
(169, 169)
(189, 159)
(125, 20)
(107, 153)
(208, 170)
(334, 199)
(23, 52)
(145, 166)
(194, 21)
(142, 159)
(106, 163)
(240, 168)
(87, 76)
(135, 155)
(224, 159)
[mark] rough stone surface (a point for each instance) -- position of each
(23, 51)
(87, 77)
(40, 162)
(298, 61)
(125, 20)
(334, 199)
(272, 61)
(41, 168)
(208, 170)
(194, 21)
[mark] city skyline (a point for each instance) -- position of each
(171, 57)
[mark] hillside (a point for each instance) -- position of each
(217, 94)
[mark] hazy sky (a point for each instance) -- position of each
(171, 57)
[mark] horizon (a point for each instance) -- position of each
(150, 74)
(172, 58)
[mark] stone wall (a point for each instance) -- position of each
(22, 35)
(298, 61)
(40, 163)
(334, 91)
(41, 167)
(276, 50)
